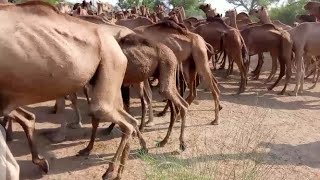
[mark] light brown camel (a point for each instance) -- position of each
(147, 58)
(305, 42)
(206, 8)
(47, 47)
(268, 38)
(223, 37)
(262, 14)
(190, 50)
(133, 23)
(313, 8)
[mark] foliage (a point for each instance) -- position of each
(287, 12)
(251, 4)
(190, 6)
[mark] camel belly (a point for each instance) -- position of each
(38, 63)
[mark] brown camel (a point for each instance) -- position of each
(268, 38)
(190, 50)
(305, 42)
(206, 8)
(147, 58)
(232, 15)
(142, 89)
(133, 23)
(60, 67)
(313, 8)
(221, 36)
(262, 14)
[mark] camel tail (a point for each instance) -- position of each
(125, 92)
(245, 54)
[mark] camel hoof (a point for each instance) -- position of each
(111, 173)
(197, 102)
(84, 152)
(220, 107)
(44, 165)
(75, 125)
(150, 124)
(161, 114)
(143, 151)
(107, 131)
(161, 144)
(270, 88)
(141, 129)
(56, 137)
(293, 93)
(183, 146)
(215, 122)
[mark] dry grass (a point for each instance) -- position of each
(240, 156)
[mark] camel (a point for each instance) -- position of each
(147, 58)
(221, 36)
(104, 7)
(133, 23)
(313, 8)
(268, 38)
(305, 18)
(305, 42)
(9, 167)
(60, 68)
(262, 14)
(190, 50)
(206, 8)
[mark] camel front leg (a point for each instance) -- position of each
(299, 61)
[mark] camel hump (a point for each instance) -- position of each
(38, 3)
(136, 39)
(171, 24)
(269, 26)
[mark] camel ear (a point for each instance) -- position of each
(208, 5)
(262, 7)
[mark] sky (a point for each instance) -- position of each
(220, 5)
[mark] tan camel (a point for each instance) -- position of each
(262, 14)
(206, 8)
(268, 38)
(60, 68)
(313, 8)
(133, 23)
(223, 37)
(190, 50)
(147, 58)
(305, 42)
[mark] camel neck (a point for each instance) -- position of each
(265, 20)
(233, 22)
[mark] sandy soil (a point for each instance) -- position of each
(292, 144)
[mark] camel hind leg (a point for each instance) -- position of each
(77, 124)
(202, 67)
(282, 73)
(106, 103)
(274, 66)
(27, 122)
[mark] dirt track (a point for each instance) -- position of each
(291, 125)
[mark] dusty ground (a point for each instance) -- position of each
(292, 144)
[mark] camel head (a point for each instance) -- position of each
(242, 16)
(305, 18)
(313, 8)
(135, 10)
(119, 15)
(159, 8)
(231, 13)
(205, 7)
(80, 12)
(260, 13)
(143, 10)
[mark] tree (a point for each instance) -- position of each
(287, 12)
(190, 6)
(251, 4)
